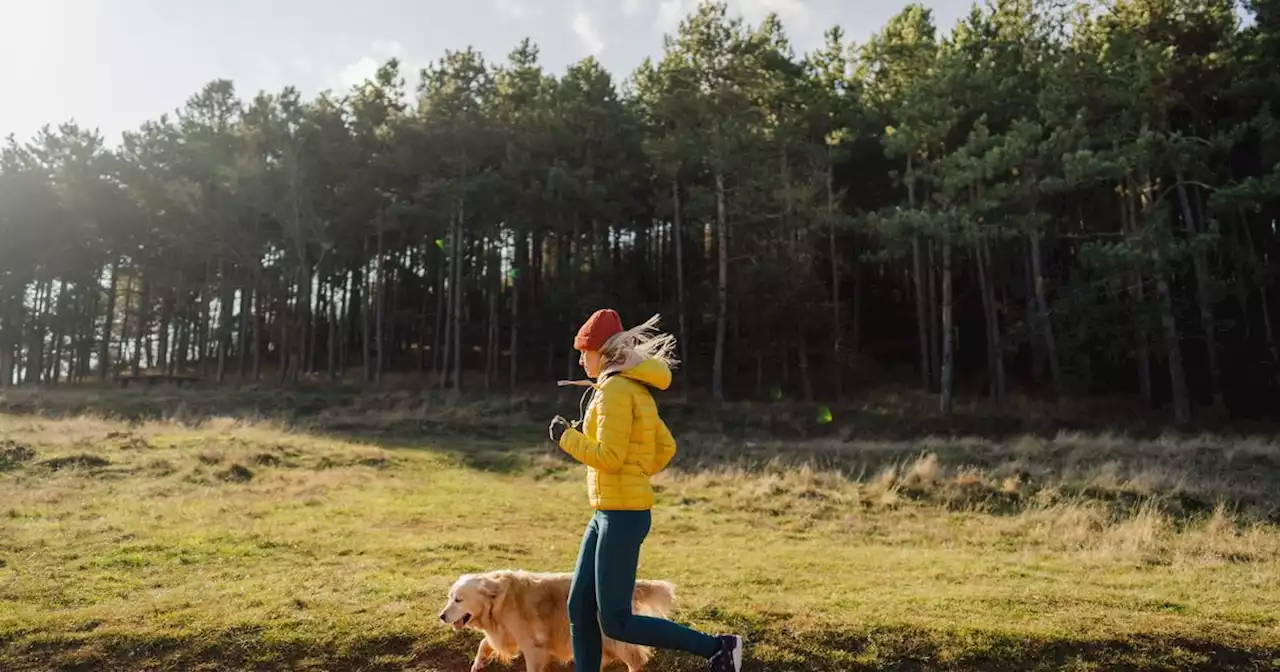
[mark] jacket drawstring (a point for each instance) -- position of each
(583, 405)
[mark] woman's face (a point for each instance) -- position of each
(590, 361)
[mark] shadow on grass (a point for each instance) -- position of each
(772, 650)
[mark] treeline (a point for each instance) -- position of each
(1051, 199)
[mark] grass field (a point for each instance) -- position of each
(183, 532)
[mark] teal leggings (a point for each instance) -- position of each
(600, 597)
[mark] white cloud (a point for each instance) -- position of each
(387, 48)
(794, 13)
(355, 73)
(633, 7)
(671, 11)
(364, 68)
(516, 9)
(587, 33)
(303, 65)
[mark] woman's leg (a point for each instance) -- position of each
(584, 628)
(617, 553)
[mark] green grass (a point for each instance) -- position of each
(191, 542)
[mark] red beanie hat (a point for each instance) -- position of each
(602, 326)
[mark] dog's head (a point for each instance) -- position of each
(469, 598)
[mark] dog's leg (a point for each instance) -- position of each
(535, 660)
(483, 655)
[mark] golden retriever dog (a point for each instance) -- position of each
(525, 613)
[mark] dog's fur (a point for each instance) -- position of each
(523, 613)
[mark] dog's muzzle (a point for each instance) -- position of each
(458, 624)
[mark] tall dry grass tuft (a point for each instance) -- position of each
(1223, 538)
(925, 474)
(1076, 525)
(1140, 534)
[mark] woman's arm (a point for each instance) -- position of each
(613, 429)
(666, 448)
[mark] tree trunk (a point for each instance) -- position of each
(55, 362)
(104, 347)
(76, 336)
(569, 249)
(202, 340)
(86, 326)
(346, 329)
(995, 347)
(856, 327)
(837, 364)
(1142, 349)
(259, 317)
(285, 343)
(226, 299)
(246, 305)
(1043, 317)
(164, 346)
(144, 302)
(316, 295)
(182, 313)
(677, 238)
(457, 296)
(423, 309)
(10, 328)
(948, 336)
(494, 288)
(802, 359)
(597, 250)
(917, 274)
(1204, 301)
(35, 336)
(366, 339)
(380, 301)
(517, 284)
(1164, 301)
(1267, 327)
(440, 336)
(1268, 330)
(931, 294)
(125, 326)
(1177, 375)
(333, 341)
(722, 290)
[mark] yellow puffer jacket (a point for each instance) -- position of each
(625, 442)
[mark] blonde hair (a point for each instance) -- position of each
(640, 342)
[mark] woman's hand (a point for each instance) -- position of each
(557, 429)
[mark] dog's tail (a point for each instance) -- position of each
(654, 598)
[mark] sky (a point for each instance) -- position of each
(113, 64)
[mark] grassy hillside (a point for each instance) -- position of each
(147, 535)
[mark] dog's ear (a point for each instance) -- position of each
(490, 588)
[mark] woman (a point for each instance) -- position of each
(623, 442)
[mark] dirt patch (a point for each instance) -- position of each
(14, 455)
(378, 462)
(236, 473)
(266, 460)
(80, 461)
(161, 467)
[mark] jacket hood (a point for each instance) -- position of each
(651, 372)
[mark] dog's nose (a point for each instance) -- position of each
(442, 618)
